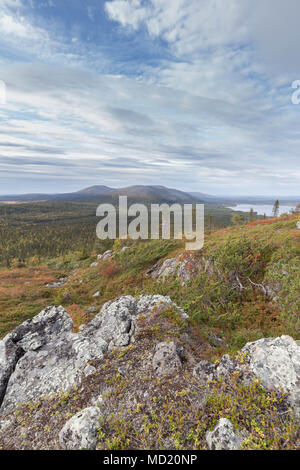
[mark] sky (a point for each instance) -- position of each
(189, 94)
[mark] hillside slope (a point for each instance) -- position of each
(161, 366)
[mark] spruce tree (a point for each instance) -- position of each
(276, 209)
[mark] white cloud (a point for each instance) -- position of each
(189, 24)
(128, 13)
(21, 29)
(160, 133)
(213, 117)
(270, 28)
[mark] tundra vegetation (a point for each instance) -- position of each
(246, 289)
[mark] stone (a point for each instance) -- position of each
(55, 285)
(92, 309)
(166, 359)
(97, 294)
(80, 432)
(204, 371)
(122, 370)
(225, 368)
(116, 321)
(149, 302)
(97, 401)
(4, 424)
(108, 254)
(29, 337)
(298, 225)
(89, 370)
(43, 356)
(184, 267)
(276, 362)
(223, 437)
(94, 264)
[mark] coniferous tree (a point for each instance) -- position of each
(251, 215)
(276, 209)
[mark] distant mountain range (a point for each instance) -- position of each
(104, 193)
(150, 193)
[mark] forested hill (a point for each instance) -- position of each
(48, 229)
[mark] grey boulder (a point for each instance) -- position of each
(276, 362)
(167, 359)
(80, 432)
(223, 437)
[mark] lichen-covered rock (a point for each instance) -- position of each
(80, 432)
(115, 322)
(204, 371)
(226, 367)
(31, 336)
(223, 437)
(52, 359)
(167, 359)
(184, 267)
(276, 362)
(43, 356)
(148, 302)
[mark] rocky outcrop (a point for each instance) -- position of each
(276, 362)
(80, 432)
(43, 356)
(223, 437)
(31, 336)
(273, 361)
(133, 360)
(184, 267)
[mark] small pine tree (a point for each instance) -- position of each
(276, 209)
(251, 215)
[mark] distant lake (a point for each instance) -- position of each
(262, 209)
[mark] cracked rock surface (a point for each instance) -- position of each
(43, 356)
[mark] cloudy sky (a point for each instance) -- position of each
(192, 94)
